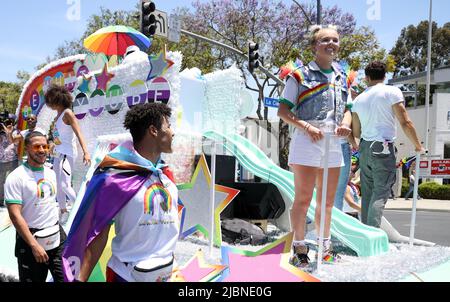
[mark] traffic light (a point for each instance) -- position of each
(253, 56)
(148, 18)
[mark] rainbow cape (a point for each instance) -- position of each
(117, 179)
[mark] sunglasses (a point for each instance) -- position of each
(37, 148)
(329, 40)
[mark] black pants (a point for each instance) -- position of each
(32, 271)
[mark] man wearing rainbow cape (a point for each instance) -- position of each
(139, 196)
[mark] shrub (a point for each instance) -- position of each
(429, 190)
(432, 190)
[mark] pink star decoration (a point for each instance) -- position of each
(270, 264)
(103, 78)
(197, 270)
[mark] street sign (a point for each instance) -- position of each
(162, 26)
(440, 167)
(174, 28)
(271, 102)
(434, 166)
(424, 167)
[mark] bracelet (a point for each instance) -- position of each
(307, 126)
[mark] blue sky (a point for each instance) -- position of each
(32, 30)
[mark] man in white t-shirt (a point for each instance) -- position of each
(133, 187)
(374, 113)
(30, 194)
(31, 126)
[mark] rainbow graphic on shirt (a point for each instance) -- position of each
(151, 198)
(313, 92)
(41, 185)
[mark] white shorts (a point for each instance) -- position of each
(303, 151)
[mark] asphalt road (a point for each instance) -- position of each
(430, 226)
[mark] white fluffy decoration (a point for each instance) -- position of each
(186, 146)
(221, 111)
(107, 124)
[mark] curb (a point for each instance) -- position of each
(419, 210)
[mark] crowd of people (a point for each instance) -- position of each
(134, 189)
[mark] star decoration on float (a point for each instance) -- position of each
(103, 78)
(159, 65)
(198, 270)
(269, 264)
(85, 80)
(195, 197)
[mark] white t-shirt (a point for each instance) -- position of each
(24, 133)
(374, 109)
(147, 227)
(64, 137)
(35, 190)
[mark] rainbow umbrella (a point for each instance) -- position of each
(114, 40)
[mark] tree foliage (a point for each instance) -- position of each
(9, 96)
(279, 28)
(410, 50)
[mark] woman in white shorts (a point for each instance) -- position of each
(314, 102)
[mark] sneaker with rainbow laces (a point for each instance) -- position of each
(330, 256)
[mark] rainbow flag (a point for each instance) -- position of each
(117, 179)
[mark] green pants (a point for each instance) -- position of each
(377, 164)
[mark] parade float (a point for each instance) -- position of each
(208, 110)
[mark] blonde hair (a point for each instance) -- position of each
(315, 30)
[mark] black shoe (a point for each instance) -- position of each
(300, 258)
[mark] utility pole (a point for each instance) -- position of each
(319, 13)
(427, 95)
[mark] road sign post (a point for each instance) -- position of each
(174, 28)
(162, 25)
(271, 102)
(427, 168)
